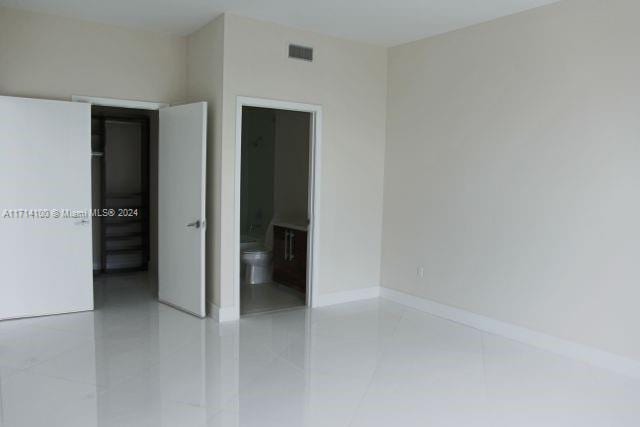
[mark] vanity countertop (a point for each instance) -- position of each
(292, 225)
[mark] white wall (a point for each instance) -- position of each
(46, 56)
(512, 171)
(348, 80)
(205, 50)
(291, 178)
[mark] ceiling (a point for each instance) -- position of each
(383, 22)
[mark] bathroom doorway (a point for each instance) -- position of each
(275, 212)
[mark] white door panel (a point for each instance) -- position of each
(181, 206)
(45, 164)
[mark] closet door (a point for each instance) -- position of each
(45, 192)
(182, 152)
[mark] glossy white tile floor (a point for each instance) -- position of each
(268, 297)
(135, 362)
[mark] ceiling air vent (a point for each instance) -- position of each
(300, 52)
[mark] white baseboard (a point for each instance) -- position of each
(347, 296)
(590, 355)
(222, 314)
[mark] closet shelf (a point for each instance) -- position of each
(122, 251)
(123, 236)
(122, 195)
(126, 220)
(121, 187)
(136, 206)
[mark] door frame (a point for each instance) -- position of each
(313, 231)
(125, 103)
(121, 103)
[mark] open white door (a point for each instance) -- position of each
(45, 194)
(181, 206)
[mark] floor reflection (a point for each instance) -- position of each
(135, 362)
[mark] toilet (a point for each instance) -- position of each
(256, 260)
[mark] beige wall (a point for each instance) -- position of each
(46, 56)
(348, 80)
(512, 171)
(205, 52)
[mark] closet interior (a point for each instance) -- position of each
(120, 145)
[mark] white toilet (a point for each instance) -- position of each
(256, 260)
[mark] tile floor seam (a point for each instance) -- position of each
(52, 358)
(484, 367)
(373, 374)
(223, 408)
(57, 377)
(67, 380)
(44, 328)
(49, 359)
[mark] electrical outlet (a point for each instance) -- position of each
(420, 272)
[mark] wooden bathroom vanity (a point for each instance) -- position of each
(290, 256)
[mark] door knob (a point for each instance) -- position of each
(195, 224)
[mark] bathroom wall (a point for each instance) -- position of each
(257, 175)
(291, 178)
(275, 169)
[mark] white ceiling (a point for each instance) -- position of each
(383, 22)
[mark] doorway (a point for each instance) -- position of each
(149, 179)
(57, 176)
(276, 167)
(121, 176)
(124, 143)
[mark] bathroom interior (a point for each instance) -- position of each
(274, 209)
